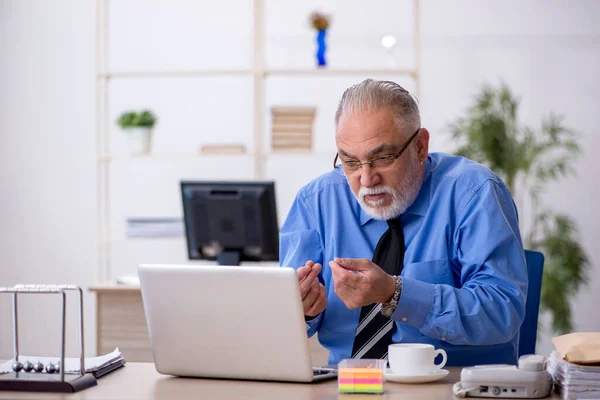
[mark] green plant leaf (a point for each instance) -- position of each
(131, 119)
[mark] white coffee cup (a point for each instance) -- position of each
(412, 359)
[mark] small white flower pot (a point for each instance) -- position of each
(140, 139)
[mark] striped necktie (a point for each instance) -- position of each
(374, 331)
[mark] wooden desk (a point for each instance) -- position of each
(141, 381)
(120, 322)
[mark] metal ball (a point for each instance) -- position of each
(17, 366)
(27, 366)
(50, 368)
(38, 367)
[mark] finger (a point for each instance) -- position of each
(317, 267)
(308, 280)
(304, 270)
(310, 298)
(309, 286)
(320, 302)
(337, 270)
(353, 264)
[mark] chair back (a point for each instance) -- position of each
(528, 331)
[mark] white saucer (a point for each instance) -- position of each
(430, 377)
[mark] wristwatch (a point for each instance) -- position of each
(387, 309)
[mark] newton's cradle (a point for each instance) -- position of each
(30, 376)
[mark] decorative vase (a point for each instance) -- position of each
(321, 47)
(139, 140)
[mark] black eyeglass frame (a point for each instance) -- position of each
(390, 158)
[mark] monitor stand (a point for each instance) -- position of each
(229, 257)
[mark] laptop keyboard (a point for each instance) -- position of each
(318, 371)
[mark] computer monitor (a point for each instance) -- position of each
(230, 222)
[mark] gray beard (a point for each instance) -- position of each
(402, 197)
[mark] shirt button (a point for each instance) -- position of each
(404, 319)
(444, 339)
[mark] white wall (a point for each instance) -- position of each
(547, 51)
(47, 168)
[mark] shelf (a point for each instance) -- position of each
(189, 156)
(258, 153)
(341, 71)
(267, 72)
(166, 156)
(175, 73)
(293, 153)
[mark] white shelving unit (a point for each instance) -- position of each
(259, 73)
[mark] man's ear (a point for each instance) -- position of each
(423, 144)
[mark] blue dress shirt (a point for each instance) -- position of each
(464, 276)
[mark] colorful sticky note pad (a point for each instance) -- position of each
(361, 376)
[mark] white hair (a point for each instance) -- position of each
(372, 95)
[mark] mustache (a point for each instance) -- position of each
(374, 191)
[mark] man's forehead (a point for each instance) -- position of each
(369, 126)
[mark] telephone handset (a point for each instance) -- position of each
(527, 380)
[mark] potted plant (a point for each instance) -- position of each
(527, 160)
(138, 126)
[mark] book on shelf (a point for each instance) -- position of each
(292, 129)
(291, 142)
(154, 227)
(223, 148)
(293, 119)
(291, 149)
(293, 111)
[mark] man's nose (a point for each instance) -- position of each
(368, 176)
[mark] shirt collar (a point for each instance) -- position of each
(421, 203)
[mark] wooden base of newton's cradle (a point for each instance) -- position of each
(41, 382)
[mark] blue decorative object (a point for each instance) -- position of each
(321, 47)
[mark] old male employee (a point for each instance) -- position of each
(401, 245)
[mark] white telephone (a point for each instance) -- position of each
(527, 380)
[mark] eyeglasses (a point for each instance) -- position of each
(377, 162)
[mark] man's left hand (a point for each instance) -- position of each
(359, 282)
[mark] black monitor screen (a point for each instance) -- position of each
(230, 221)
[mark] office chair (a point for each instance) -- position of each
(528, 331)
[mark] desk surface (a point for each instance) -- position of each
(141, 381)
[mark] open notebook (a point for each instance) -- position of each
(98, 366)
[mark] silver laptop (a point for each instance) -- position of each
(227, 322)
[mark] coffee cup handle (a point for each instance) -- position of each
(444, 359)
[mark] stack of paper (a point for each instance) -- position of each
(154, 227)
(129, 279)
(292, 128)
(98, 366)
(574, 381)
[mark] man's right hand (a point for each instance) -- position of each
(314, 298)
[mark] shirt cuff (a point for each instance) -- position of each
(311, 325)
(307, 318)
(416, 302)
